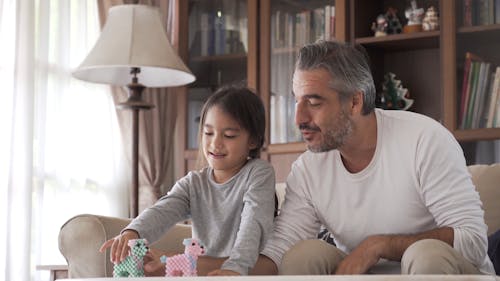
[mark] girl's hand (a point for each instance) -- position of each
(119, 245)
(152, 264)
(223, 272)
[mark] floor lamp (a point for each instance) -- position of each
(133, 51)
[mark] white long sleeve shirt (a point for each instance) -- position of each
(416, 181)
(233, 219)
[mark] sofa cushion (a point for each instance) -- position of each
(486, 178)
(81, 237)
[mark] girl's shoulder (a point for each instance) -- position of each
(195, 176)
(257, 168)
(257, 163)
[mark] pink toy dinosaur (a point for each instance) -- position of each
(184, 264)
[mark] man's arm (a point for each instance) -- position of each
(397, 244)
(264, 266)
(391, 247)
(207, 264)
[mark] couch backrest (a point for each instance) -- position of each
(486, 178)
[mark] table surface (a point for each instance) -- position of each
(311, 278)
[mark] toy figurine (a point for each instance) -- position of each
(393, 22)
(394, 96)
(380, 26)
(431, 19)
(184, 264)
(414, 16)
(133, 264)
(387, 24)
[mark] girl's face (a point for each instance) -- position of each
(226, 145)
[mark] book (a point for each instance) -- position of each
(332, 22)
(493, 99)
(497, 11)
(476, 69)
(496, 120)
(484, 78)
(467, 13)
(485, 12)
(466, 86)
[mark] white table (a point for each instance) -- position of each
(313, 278)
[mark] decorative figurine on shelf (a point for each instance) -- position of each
(184, 264)
(431, 19)
(133, 265)
(394, 96)
(393, 22)
(414, 16)
(380, 26)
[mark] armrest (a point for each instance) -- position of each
(81, 236)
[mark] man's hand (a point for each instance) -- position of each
(364, 256)
(223, 272)
(119, 245)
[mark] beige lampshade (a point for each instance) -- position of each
(133, 36)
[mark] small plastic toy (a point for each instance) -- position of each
(393, 22)
(184, 264)
(380, 26)
(431, 19)
(394, 96)
(133, 265)
(414, 16)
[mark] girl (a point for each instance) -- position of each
(231, 201)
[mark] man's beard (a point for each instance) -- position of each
(336, 135)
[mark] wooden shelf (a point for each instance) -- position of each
(477, 134)
(494, 28)
(479, 35)
(399, 42)
(224, 57)
(292, 147)
(285, 50)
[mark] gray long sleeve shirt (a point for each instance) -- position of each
(232, 219)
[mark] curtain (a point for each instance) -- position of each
(60, 151)
(156, 126)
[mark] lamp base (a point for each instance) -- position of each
(135, 103)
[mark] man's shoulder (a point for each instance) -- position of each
(405, 116)
(408, 123)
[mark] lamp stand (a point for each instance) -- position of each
(135, 103)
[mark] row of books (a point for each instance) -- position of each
(480, 102)
(218, 27)
(296, 29)
(481, 12)
(215, 37)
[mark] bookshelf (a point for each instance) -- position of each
(218, 40)
(429, 63)
(276, 63)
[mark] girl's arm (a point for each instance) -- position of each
(153, 222)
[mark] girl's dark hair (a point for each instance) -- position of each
(245, 107)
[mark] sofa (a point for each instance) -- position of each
(81, 236)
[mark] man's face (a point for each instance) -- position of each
(324, 122)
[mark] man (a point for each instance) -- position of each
(391, 186)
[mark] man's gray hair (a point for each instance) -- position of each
(348, 66)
